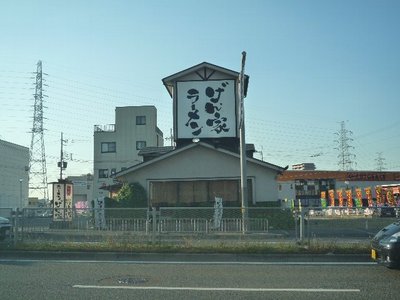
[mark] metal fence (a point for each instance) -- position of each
(204, 223)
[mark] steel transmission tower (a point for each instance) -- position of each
(380, 162)
(345, 157)
(37, 161)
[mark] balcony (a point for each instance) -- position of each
(104, 128)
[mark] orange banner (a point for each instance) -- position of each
(340, 197)
(369, 196)
(349, 196)
(390, 197)
(332, 197)
(379, 200)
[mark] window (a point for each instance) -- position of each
(108, 147)
(103, 173)
(140, 145)
(140, 120)
(113, 171)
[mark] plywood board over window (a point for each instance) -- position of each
(185, 192)
(175, 193)
(163, 192)
(200, 191)
(225, 189)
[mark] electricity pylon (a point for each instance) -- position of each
(37, 159)
(345, 156)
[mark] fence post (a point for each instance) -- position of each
(16, 226)
(302, 215)
(154, 216)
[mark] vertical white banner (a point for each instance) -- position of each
(218, 211)
(68, 202)
(58, 201)
(99, 214)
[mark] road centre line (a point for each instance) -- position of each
(226, 289)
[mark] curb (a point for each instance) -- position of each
(186, 257)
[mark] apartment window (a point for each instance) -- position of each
(140, 145)
(108, 147)
(113, 171)
(103, 173)
(140, 120)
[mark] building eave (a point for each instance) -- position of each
(169, 80)
(176, 151)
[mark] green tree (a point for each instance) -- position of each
(131, 195)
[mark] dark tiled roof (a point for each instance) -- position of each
(155, 151)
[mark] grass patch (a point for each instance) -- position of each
(188, 246)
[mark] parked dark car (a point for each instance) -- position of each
(5, 228)
(386, 211)
(386, 246)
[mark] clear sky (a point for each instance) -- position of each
(312, 65)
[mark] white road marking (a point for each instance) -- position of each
(170, 288)
(305, 263)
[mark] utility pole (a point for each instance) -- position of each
(62, 164)
(243, 160)
(171, 137)
(345, 156)
(37, 157)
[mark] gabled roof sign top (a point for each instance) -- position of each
(205, 70)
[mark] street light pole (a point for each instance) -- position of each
(243, 156)
(20, 193)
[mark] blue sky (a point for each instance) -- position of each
(312, 65)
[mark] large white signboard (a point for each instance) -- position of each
(206, 109)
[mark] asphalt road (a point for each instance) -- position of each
(206, 277)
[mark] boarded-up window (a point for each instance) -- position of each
(176, 193)
(185, 192)
(226, 189)
(200, 191)
(163, 193)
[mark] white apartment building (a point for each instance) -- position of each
(82, 189)
(14, 175)
(116, 146)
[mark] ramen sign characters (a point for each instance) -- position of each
(62, 201)
(206, 109)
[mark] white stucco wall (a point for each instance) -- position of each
(202, 162)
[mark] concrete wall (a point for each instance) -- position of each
(14, 175)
